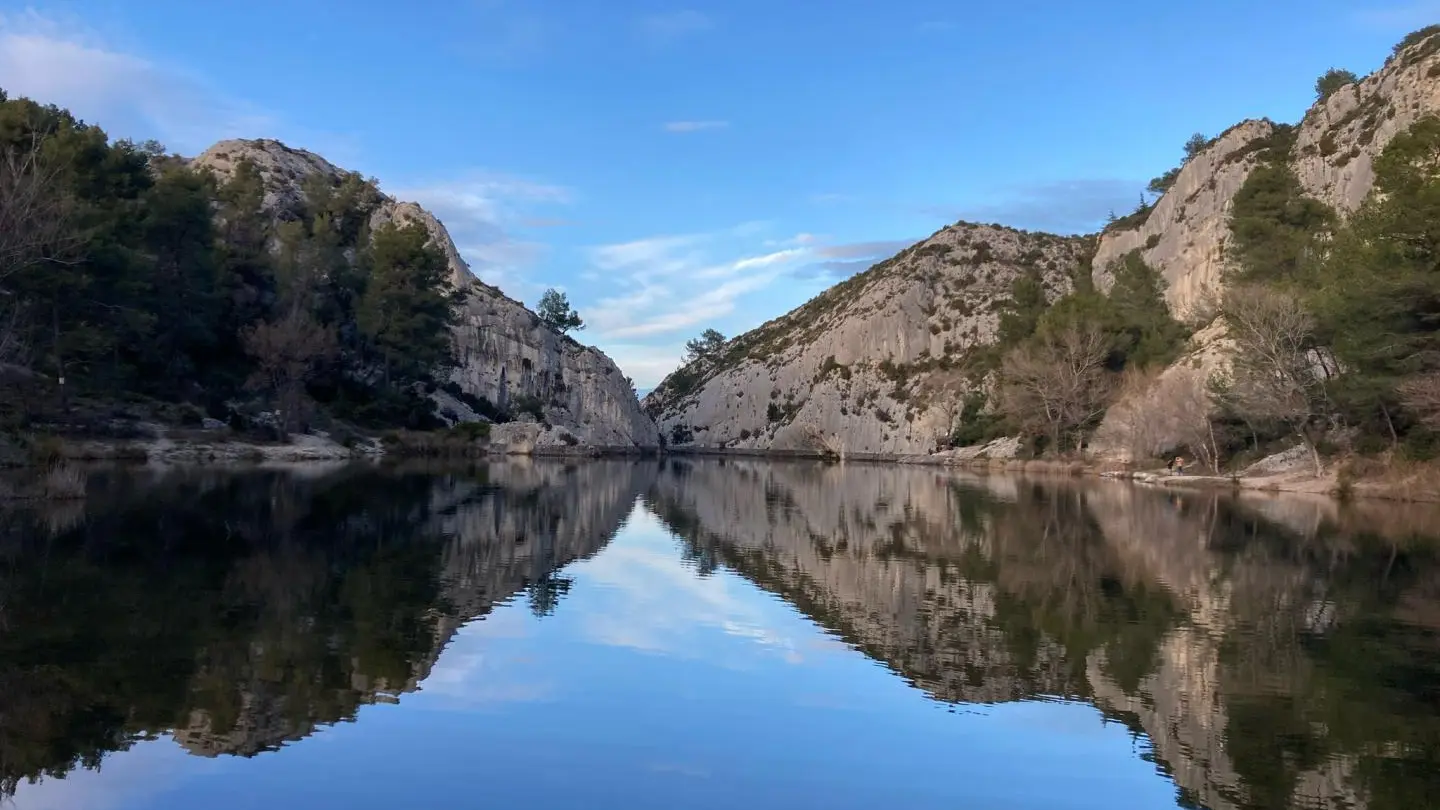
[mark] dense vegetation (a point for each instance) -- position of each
(128, 278)
(1057, 365)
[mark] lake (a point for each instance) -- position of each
(712, 633)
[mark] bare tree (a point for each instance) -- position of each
(34, 214)
(1279, 372)
(1159, 412)
(288, 352)
(1057, 384)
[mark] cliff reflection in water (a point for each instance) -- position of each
(242, 611)
(1277, 652)
(1274, 652)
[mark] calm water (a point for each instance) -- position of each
(712, 634)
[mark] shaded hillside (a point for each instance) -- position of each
(260, 286)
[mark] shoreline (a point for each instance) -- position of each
(311, 449)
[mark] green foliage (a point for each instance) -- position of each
(165, 283)
(1162, 184)
(975, 425)
(1429, 36)
(1195, 145)
(1331, 81)
(708, 346)
(555, 312)
(407, 308)
(1022, 314)
(1377, 294)
(1276, 227)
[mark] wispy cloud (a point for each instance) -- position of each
(862, 250)
(694, 126)
(844, 260)
(669, 27)
(673, 283)
(1065, 207)
(1401, 17)
(64, 63)
(480, 210)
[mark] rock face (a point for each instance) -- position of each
(1333, 154)
(872, 364)
(1185, 235)
(505, 353)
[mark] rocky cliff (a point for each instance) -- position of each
(505, 353)
(1332, 153)
(872, 365)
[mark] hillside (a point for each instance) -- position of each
(874, 363)
(261, 287)
(1154, 335)
(503, 354)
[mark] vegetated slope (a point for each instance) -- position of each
(1332, 152)
(874, 364)
(1299, 213)
(506, 360)
(1264, 203)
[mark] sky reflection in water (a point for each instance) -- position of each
(661, 677)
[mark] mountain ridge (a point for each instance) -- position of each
(1184, 236)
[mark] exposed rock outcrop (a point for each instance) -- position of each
(505, 353)
(1185, 235)
(869, 367)
(873, 364)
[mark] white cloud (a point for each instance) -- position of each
(671, 26)
(660, 275)
(132, 96)
(480, 210)
(681, 127)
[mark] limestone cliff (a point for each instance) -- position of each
(505, 353)
(1332, 154)
(872, 365)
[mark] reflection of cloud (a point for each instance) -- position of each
(469, 674)
(665, 601)
(133, 778)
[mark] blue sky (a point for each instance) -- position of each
(679, 165)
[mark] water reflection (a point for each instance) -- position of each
(1277, 652)
(1263, 652)
(241, 611)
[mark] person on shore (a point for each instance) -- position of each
(1179, 465)
(1170, 465)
